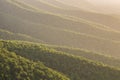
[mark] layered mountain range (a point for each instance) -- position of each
(61, 40)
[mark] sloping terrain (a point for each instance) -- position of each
(66, 23)
(70, 43)
(77, 68)
(109, 60)
(7, 35)
(62, 30)
(104, 19)
(14, 67)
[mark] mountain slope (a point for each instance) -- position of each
(7, 35)
(14, 67)
(104, 19)
(109, 60)
(55, 23)
(26, 19)
(81, 25)
(77, 68)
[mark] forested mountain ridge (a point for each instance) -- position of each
(52, 40)
(106, 59)
(14, 67)
(76, 68)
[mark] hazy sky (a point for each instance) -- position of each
(105, 6)
(106, 2)
(96, 2)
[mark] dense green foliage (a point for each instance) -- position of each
(14, 67)
(55, 23)
(109, 60)
(77, 68)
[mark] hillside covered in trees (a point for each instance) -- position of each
(76, 68)
(14, 67)
(57, 40)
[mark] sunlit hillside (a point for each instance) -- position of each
(75, 67)
(61, 39)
